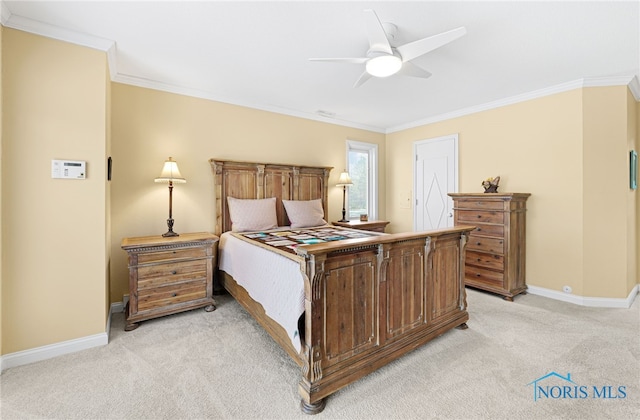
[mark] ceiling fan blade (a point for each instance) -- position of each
(363, 78)
(410, 69)
(377, 36)
(354, 60)
(422, 46)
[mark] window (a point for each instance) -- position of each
(362, 165)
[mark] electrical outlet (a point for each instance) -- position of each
(566, 289)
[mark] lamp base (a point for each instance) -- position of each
(170, 232)
(344, 221)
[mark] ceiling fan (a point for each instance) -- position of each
(383, 59)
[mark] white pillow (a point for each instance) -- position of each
(304, 213)
(251, 215)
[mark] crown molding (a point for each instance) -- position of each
(62, 34)
(634, 87)
(56, 32)
(630, 81)
(5, 13)
(180, 90)
(28, 25)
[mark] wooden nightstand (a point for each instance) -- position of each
(169, 275)
(372, 225)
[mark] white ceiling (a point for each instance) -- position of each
(256, 54)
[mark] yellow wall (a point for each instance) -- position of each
(535, 147)
(53, 231)
(1, 195)
(636, 211)
(569, 151)
(606, 222)
(107, 198)
(149, 126)
(633, 238)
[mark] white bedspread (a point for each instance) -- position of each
(271, 279)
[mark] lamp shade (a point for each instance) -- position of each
(170, 172)
(344, 180)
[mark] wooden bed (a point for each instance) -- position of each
(367, 301)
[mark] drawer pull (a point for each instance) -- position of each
(479, 229)
(174, 272)
(478, 243)
(479, 260)
(479, 216)
(174, 294)
(477, 274)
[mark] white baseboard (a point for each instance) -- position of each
(52, 350)
(119, 306)
(58, 349)
(596, 302)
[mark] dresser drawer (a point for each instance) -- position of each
(483, 276)
(488, 230)
(470, 216)
(484, 260)
(479, 204)
(172, 255)
(160, 274)
(480, 243)
(163, 296)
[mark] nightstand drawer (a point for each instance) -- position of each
(488, 230)
(171, 255)
(161, 274)
(170, 295)
(469, 216)
(485, 260)
(480, 243)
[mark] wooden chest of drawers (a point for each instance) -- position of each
(169, 275)
(496, 251)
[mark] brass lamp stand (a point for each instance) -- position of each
(170, 173)
(344, 182)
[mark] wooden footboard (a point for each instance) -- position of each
(368, 303)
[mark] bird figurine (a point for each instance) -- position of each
(491, 184)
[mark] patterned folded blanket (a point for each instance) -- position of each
(286, 241)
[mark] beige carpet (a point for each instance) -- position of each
(199, 365)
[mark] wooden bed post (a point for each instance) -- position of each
(312, 351)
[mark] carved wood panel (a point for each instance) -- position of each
(405, 288)
(349, 323)
(445, 296)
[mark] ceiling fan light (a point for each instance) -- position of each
(384, 65)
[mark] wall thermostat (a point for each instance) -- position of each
(68, 169)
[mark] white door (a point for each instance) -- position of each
(435, 175)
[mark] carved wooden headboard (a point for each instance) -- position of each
(265, 180)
